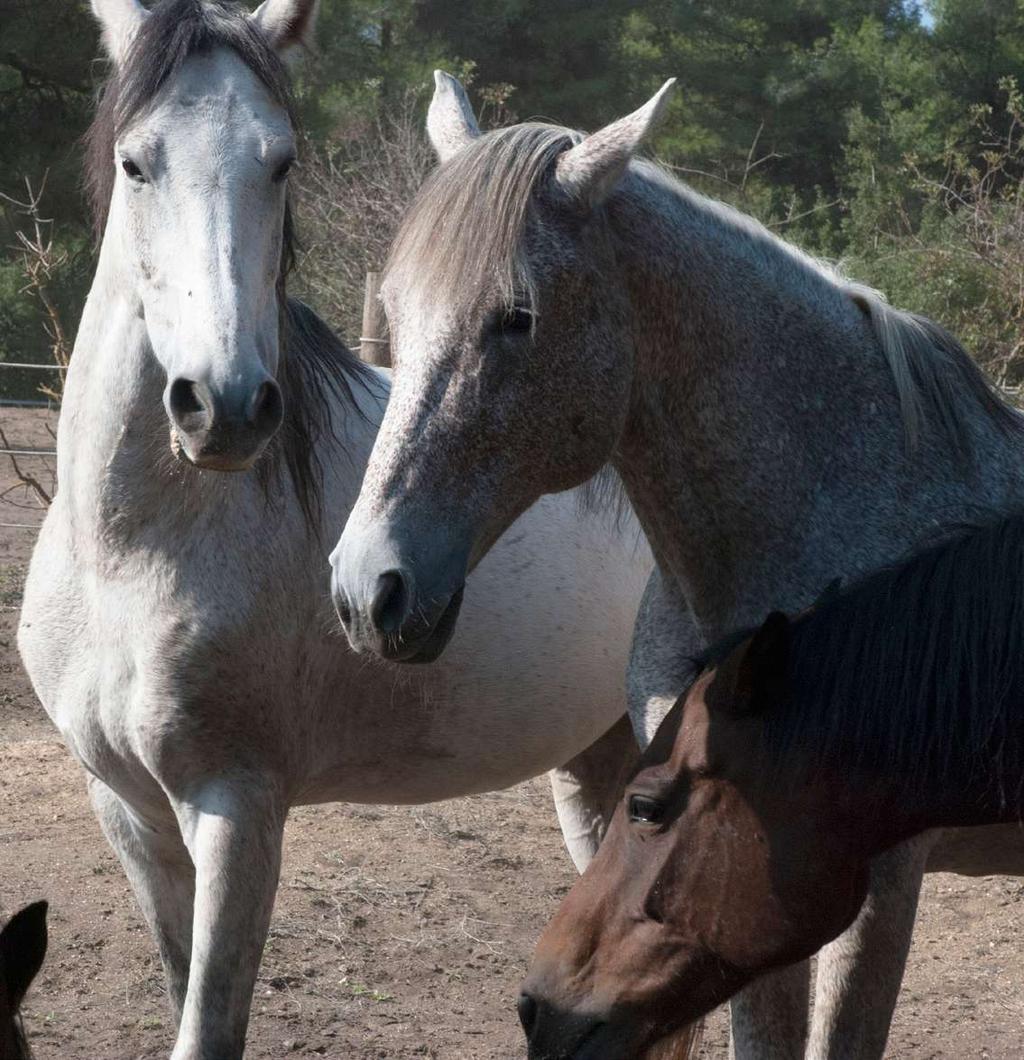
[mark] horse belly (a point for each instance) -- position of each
(534, 674)
(536, 669)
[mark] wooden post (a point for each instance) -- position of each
(373, 346)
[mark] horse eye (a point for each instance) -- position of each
(645, 810)
(283, 170)
(516, 321)
(132, 171)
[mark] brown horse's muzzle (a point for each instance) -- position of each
(553, 1033)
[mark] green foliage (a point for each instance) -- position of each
(958, 255)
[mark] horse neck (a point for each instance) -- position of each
(754, 377)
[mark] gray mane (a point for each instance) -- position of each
(317, 370)
(470, 218)
(316, 366)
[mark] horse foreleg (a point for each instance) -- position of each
(859, 974)
(587, 789)
(234, 831)
(768, 1020)
(159, 869)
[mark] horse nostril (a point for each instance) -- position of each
(527, 1009)
(390, 603)
(341, 605)
(190, 404)
(266, 409)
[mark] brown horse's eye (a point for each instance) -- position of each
(645, 810)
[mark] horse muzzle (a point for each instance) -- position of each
(556, 1034)
(387, 603)
(225, 429)
(391, 624)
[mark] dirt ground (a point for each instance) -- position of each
(398, 932)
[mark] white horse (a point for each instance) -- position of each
(177, 622)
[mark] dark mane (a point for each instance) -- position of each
(914, 676)
(316, 365)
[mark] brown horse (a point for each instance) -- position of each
(803, 750)
(22, 949)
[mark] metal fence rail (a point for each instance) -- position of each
(35, 367)
(15, 403)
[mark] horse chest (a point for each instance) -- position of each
(113, 650)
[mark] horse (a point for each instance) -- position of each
(177, 624)
(22, 950)
(804, 749)
(556, 304)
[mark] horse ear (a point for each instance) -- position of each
(289, 25)
(756, 675)
(589, 172)
(22, 949)
(119, 21)
(451, 123)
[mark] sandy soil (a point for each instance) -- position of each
(398, 933)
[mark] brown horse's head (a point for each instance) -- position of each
(22, 949)
(711, 874)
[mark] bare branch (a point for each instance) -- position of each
(26, 479)
(352, 194)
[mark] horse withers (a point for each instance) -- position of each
(22, 949)
(802, 751)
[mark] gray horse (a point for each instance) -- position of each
(555, 304)
(177, 624)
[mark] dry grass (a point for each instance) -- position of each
(351, 195)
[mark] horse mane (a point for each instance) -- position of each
(912, 678)
(932, 371)
(470, 218)
(315, 366)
